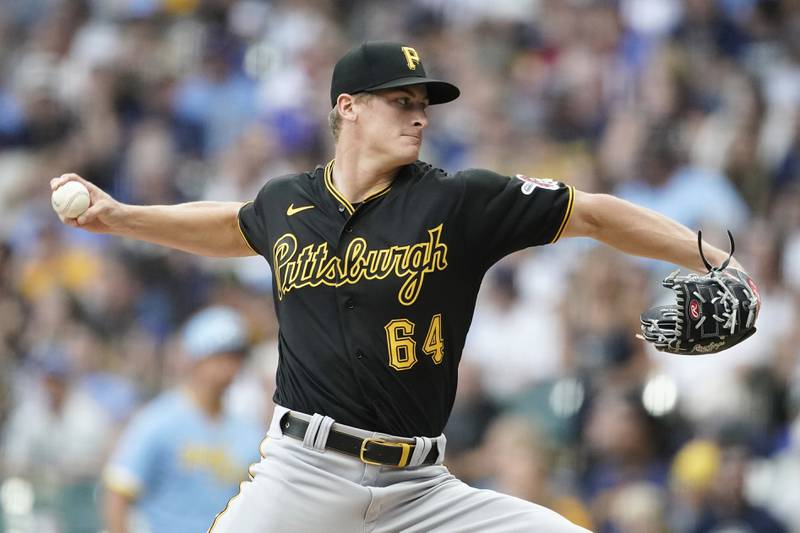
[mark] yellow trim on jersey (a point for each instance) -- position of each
(241, 231)
(377, 194)
(340, 197)
(336, 194)
(567, 214)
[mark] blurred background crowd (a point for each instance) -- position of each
(689, 107)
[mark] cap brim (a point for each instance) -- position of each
(439, 92)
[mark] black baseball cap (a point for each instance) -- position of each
(385, 65)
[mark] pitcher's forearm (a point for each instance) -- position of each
(650, 234)
(639, 231)
(203, 228)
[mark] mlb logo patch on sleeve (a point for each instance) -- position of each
(529, 184)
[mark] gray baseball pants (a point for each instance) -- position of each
(301, 487)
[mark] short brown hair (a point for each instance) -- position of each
(335, 119)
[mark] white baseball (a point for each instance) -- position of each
(71, 199)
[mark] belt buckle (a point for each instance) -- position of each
(403, 457)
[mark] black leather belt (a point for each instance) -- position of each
(370, 451)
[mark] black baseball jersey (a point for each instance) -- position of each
(374, 300)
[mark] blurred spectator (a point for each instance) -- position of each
(693, 196)
(53, 264)
(219, 98)
(520, 463)
(250, 396)
(11, 331)
(42, 119)
(606, 299)
(513, 343)
(624, 444)
(788, 173)
(770, 482)
(638, 508)
(183, 456)
(691, 475)
(726, 506)
(57, 438)
(151, 165)
(472, 413)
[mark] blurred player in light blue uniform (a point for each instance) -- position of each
(182, 457)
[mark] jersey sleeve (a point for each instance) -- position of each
(134, 465)
(253, 223)
(503, 214)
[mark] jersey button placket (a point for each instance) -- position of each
(349, 304)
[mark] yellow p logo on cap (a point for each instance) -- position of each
(412, 57)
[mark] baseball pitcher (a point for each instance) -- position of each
(377, 258)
